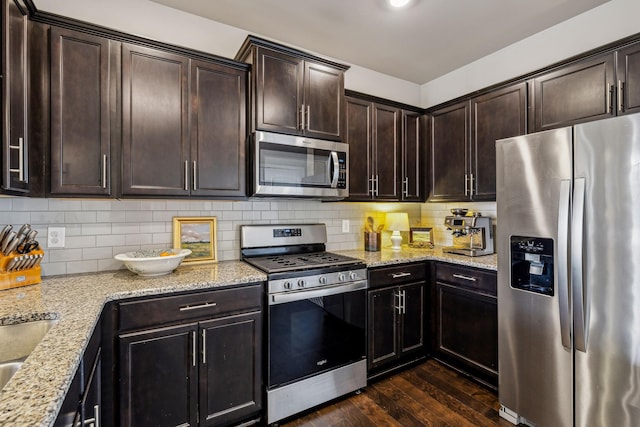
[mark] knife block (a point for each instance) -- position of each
(15, 279)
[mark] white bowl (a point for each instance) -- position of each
(149, 262)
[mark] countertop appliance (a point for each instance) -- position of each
(472, 235)
(295, 166)
(316, 316)
(569, 279)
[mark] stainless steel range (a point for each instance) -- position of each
(316, 316)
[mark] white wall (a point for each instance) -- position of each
(159, 22)
(607, 23)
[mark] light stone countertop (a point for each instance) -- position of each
(35, 393)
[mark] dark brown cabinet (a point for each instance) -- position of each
(82, 90)
(162, 154)
(463, 135)
(294, 92)
(466, 321)
(386, 151)
(397, 316)
(191, 360)
(628, 73)
(24, 53)
(577, 93)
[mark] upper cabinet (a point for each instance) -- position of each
(576, 93)
(463, 135)
(386, 150)
(294, 92)
(82, 93)
(628, 73)
(23, 120)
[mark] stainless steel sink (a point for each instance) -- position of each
(16, 344)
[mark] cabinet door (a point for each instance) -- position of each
(358, 136)
(231, 372)
(279, 92)
(154, 122)
(628, 71)
(412, 319)
(577, 93)
(323, 100)
(80, 125)
(383, 325)
(467, 328)
(158, 384)
(449, 153)
(386, 151)
(413, 166)
(496, 115)
(218, 133)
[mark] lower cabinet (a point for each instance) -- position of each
(466, 321)
(199, 365)
(396, 299)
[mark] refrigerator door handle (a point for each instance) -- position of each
(580, 305)
(564, 218)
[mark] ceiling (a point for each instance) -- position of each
(418, 43)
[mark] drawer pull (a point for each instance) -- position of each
(463, 277)
(399, 275)
(199, 306)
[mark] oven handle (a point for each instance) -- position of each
(336, 169)
(317, 293)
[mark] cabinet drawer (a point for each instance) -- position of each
(472, 278)
(397, 274)
(154, 311)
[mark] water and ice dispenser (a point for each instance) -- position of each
(532, 264)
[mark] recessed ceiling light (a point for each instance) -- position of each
(398, 3)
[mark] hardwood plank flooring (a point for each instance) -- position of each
(428, 394)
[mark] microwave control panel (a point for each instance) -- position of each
(342, 170)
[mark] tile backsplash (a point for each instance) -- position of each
(96, 230)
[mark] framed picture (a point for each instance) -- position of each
(199, 235)
(421, 237)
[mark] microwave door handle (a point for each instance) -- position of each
(336, 169)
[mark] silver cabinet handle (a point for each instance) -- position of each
(466, 184)
(302, 120)
(463, 277)
(471, 185)
(204, 346)
(95, 421)
(377, 185)
(620, 96)
(104, 171)
(399, 275)
(186, 175)
(373, 188)
(399, 306)
(198, 306)
(195, 175)
(580, 306)
(21, 159)
(194, 347)
(405, 186)
(308, 117)
(609, 106)
(563, 262)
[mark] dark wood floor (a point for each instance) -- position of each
(429, 394)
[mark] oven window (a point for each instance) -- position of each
(284, 165)
(315, 335)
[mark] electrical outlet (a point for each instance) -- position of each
(55, 237)
(345, 225)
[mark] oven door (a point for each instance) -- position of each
(302, 167)
(315, 331)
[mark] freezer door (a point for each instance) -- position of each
(535, 369)
(607, 299)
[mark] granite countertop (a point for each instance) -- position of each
(35, 393)
(407, 254)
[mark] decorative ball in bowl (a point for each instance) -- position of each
(153, 262)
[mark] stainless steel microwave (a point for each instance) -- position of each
(294, 166)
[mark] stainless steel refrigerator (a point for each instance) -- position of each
(568, 239)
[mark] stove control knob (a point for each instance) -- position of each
(322, 280)
(301, 283)
(342, 277)
(287, 285)
(353, 275)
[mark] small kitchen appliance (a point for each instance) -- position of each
(316, 316)
(472, 235)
